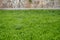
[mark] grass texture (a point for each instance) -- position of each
(29, 24)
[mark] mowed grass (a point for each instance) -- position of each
(29, 24)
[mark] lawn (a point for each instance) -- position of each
(29, 24)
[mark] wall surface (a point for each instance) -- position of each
(28, 4)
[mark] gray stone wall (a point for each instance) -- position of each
(27, 4)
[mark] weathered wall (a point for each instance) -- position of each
(27, 4)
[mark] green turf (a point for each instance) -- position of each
(29, 24)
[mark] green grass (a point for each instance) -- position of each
(29, 24)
